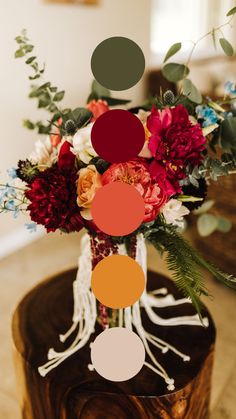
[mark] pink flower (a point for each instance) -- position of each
(174, 143)
(136, 172)
(97, 107)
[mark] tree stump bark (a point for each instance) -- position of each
(71, 391)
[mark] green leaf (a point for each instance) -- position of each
(19, 40)
(28, 124)
(100, 90)
(80, 116)
(37, 76)
(59, 96)
(44, 100)
(213, 34)
(231, 11)
(224, 225)
(52, 89)
(191, 91)
(189, 198)
(228, 134)
(19, 53)
(172, 50)
(28, 48)
(30, 60)
(204, 207)
(207, 224)
(111, 101)
(227, 47)
(175, 72)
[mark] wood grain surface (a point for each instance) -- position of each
(71, 391)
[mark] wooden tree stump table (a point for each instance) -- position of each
(71, 391)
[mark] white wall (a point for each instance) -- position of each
(65, 37)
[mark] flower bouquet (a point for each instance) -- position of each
(188, 141)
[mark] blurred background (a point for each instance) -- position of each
(65, 33)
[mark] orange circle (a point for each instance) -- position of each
(118, 209)
(118, 281)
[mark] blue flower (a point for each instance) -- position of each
(10, 205)
(12, 173)
(32, 227)
(208, 114)
(230, 88)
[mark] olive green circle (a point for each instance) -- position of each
(118, 63)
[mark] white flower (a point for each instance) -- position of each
(174, 211)
(44, 154)
(82, 146)
(143, 115)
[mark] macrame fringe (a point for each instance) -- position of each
(85, 315)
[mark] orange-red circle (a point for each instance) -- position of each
(118, 281)
(118, 209)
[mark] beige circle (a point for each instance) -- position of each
(117, 354)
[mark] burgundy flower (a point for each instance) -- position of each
(53, 200)
(175, 144)
(66, 158)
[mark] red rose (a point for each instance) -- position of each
(66, 158)
(174, 143)
(53, 200)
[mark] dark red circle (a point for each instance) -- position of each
(118, 136)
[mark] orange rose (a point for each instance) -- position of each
(88, 182)
(97, 107)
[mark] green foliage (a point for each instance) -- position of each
(228, 134)
(175, 72)
(46, 95)
(206, 206)
(231, 12)
(100, 92)
(191, 91)
(80, 117)
(185, 263)
(226, 46)
(224, 225)
(206, 224)
(172, 50)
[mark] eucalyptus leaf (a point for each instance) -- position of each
(207, 224)
(204, 207)
(191, 91)
(100, 90)
(175, 72)
(227, 47)
(79, 115)
(228, 134)
(30, 60)
(19, 53)
(224, 225)
(59, 96)
(172, 50)
(231, 11)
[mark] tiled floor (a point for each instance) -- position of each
(55, 252)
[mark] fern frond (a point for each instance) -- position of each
(185, 263)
